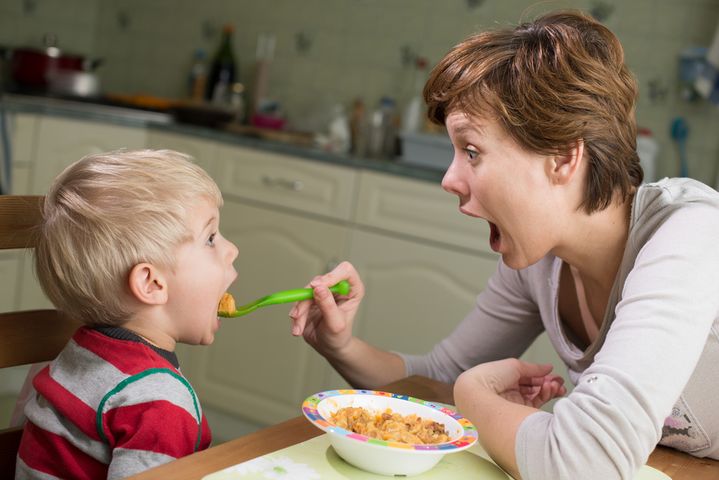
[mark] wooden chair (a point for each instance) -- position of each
(30, 336)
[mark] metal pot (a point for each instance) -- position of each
(33, 68)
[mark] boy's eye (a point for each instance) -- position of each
(211, 240)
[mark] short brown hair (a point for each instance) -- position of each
(108, 212)
(550, 82)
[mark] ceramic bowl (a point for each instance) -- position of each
(386, 457)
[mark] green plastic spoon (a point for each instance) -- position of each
(285, 296)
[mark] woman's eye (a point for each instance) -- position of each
(211, 240)
(471, 153)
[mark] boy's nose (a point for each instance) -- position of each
(233, 252)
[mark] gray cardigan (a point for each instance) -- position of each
(650, 377)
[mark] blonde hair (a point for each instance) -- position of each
(108, 212)
(550, 82)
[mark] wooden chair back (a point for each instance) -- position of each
(26, 337)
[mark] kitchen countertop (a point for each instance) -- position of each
(120, 115)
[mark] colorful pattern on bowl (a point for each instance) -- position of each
(309, 408)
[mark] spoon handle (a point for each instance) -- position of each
(299, 294)
(286, 296)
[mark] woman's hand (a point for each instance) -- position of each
(514, 380)
(498, 396)
(325, 322)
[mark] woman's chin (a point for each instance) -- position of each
(518, 262)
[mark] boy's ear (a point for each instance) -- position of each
(564, 166)
(148, 284)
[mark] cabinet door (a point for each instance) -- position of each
(62, 141)
(23, 129)
(255, 369)
(290, 183)
(203, 152)
(415, 293)
(420, 209)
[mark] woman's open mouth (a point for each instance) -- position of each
(495, 237)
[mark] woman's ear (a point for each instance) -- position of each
(564, 166)
(148, 284)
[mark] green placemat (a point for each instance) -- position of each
(316, 459)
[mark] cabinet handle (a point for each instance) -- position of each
(294, 185)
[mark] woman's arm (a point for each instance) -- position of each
(498, 396)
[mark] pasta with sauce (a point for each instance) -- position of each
(390, 426)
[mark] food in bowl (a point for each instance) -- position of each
(390, 426)
(227, 304)
(388, 457)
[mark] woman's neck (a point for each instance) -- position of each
(595, 244)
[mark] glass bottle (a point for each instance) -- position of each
(198, 76)
(223, 71)
(382, 131)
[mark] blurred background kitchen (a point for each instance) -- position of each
(319, 75)
(329, 52)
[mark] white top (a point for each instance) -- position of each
(651, 374)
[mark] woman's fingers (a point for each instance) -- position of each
(325, 301)
(298, 316)
(343, 271)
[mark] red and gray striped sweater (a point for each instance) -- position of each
(109, 406)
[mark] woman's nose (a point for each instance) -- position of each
(451, 180)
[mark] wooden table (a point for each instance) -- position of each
(677, 465)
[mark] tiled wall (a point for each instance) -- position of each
(331, 51)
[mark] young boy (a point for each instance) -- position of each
(129, 245)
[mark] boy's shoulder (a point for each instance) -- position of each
(105, 373)
(93, 364)
(96, 348)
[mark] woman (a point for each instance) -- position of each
(623, 277)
